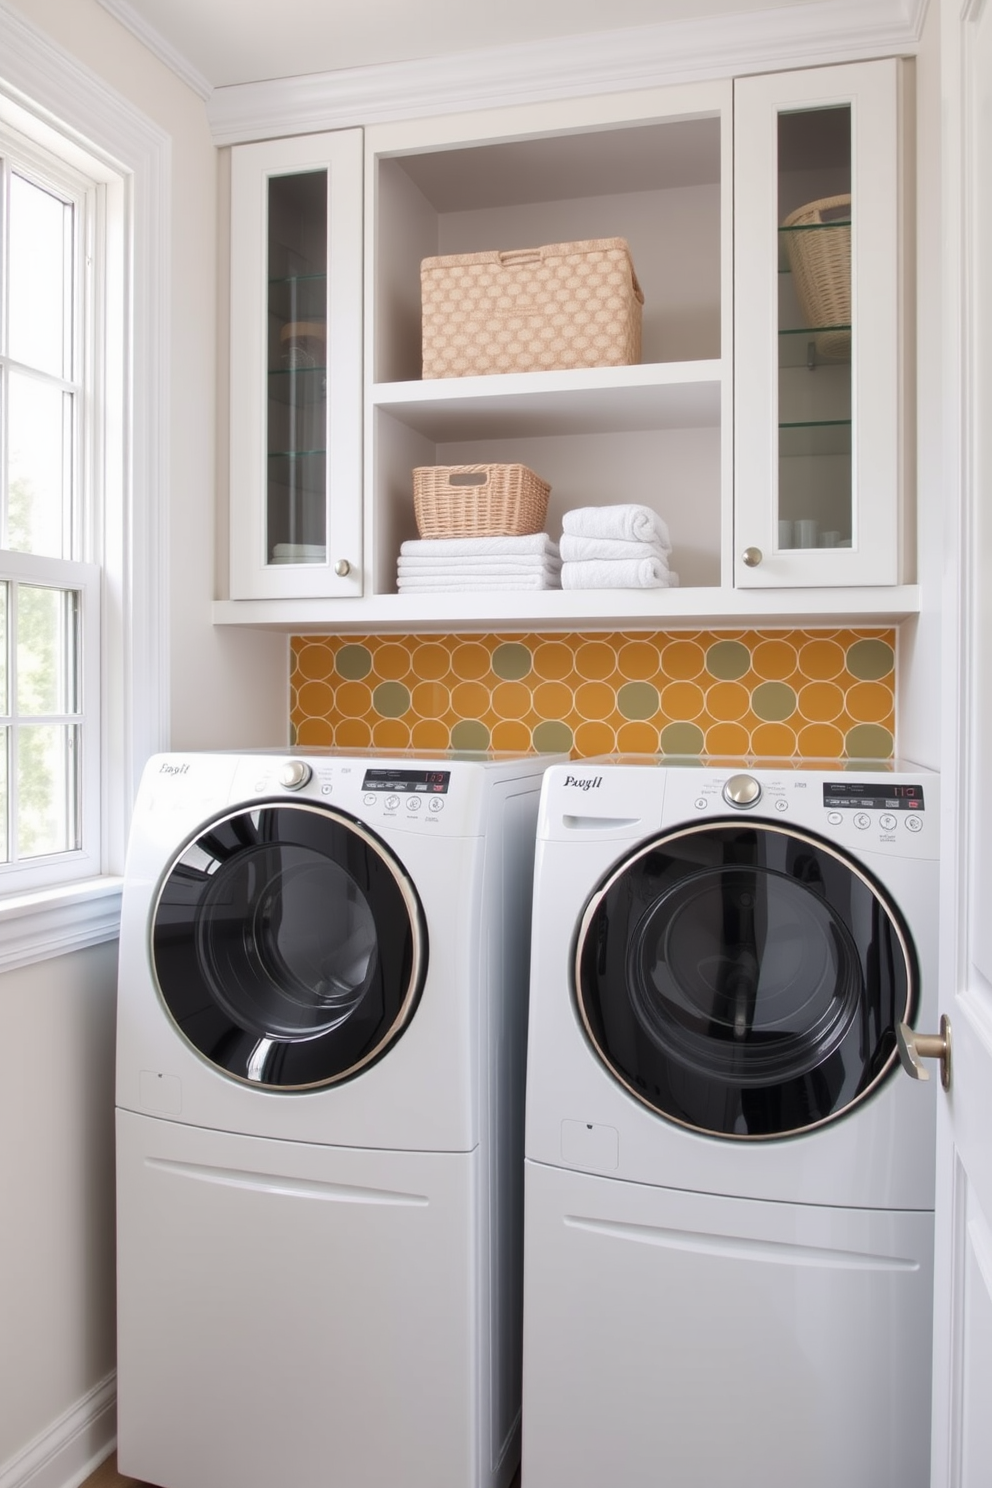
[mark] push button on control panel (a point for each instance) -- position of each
(742, 791)
(294, 774)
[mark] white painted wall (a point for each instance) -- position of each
(57, 1187)
(226, 688)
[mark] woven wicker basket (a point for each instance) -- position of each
(531, 310)
(820, 259)
(479, 500)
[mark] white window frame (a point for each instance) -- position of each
(81, 571)
(47, 96)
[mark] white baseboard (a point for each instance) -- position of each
(71, 1448)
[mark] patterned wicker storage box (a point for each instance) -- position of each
(819, 247)
(479, 500)
(531, 310)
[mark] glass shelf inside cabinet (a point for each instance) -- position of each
(815, 328)
(296, 369)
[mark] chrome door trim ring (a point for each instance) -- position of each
(793, 834)
(415, 916)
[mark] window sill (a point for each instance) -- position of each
(55, 921)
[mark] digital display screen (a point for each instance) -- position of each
(408, 782)
(882, 796)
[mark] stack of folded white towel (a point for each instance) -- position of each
(615, 547)
(462, 564)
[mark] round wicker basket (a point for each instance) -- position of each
(818, 243)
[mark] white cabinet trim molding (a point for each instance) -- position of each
(565, 67)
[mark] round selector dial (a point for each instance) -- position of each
(294, 774)
(741, 791)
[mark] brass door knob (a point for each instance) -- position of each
(752, 557)
(915, 1047)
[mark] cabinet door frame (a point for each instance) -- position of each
(874, 92)
(251, 576)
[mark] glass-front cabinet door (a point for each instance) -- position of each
(818, 328)
(296, 368)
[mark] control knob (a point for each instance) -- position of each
(741, 791)
(294, 774)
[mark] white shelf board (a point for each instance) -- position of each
(596, 609)
(582, 400)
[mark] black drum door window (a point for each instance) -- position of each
(744, 980)
(289, 946)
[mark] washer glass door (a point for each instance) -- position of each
(744, 980)
(289, 945)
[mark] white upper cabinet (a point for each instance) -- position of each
(819, 382)
(766, 430)
(296, 368)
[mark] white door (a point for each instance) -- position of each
(962, 1435)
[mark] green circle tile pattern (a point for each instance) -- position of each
(681, 738)
(512, 661)
(354, 663)
(868, 741)
(637, 701)
(773, 702)
(728, 661)
(552, 738)
(391, 699)
(870, 660)
(732, 692)
(470, 734)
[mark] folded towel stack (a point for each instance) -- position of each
(615, 547)
(462, 564)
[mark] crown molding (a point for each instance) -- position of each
(806, 35)
(158, 46)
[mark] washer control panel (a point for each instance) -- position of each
(886, 812)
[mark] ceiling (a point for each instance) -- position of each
(242, 41)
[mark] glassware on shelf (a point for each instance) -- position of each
(815, 330)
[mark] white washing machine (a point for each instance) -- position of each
(320, 1065)
(729, 1183)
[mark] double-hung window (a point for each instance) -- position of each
(52, 421)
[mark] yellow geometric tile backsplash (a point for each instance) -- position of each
(806, 694)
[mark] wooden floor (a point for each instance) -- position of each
(107, 1476)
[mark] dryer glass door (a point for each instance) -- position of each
(288, 945)
(744, 980)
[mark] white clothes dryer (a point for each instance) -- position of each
(729, 1186)
(320, 1064)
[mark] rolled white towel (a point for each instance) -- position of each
(618, 573)
(577, 549)
(531, 543)
(629, 523)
